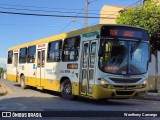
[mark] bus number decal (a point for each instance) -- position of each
(65, 71)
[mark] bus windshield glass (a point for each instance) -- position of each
(123, 57)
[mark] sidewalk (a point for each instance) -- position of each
(152, 96)
(3, 89)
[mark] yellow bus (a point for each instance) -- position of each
(100, 62)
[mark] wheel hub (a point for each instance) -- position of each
(67, 89)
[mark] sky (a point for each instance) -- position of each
(19, 29)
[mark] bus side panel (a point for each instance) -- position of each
(22, 70)
(75, 88)
(10, 75)
(52, 81)
(30, 74)
(12, 68)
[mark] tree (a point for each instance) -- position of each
(148, 17)
(1, 72)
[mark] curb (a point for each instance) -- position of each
(152, 96)
(3, 91)
(8, 89)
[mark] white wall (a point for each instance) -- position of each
(152, 65)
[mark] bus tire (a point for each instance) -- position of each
(66, 90)
(23, 86)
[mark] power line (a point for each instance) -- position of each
(76, 17)
(42, 7)
(48, 15)
(92, 1)
(44, 10)
(126, 7)
(33, 25)
(17, 5)
(70, 21)
(135, 3)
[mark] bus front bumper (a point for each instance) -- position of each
(108, 93)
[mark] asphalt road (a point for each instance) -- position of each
(35, 100)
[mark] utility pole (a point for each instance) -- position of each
(143, 1)
(86, 14)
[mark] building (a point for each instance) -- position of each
(111, 13)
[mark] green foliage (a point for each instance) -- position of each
(1, 70)
(147, 17)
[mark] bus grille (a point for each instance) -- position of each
(131, 80)
(124, 92)
(124, 87)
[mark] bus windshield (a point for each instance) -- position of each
(123, 57)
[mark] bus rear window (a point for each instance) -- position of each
(10, 57)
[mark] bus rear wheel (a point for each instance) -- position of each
(23, 86)
(66, 90)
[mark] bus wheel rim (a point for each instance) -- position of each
(67, 89)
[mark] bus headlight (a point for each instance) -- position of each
(104, 83)
(143, 84)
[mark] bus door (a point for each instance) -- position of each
(87, 80)
(40, 67)
(15, 68)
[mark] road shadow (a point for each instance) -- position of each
(84, 100)
(57, 104)
(110, 102)
(42, 91)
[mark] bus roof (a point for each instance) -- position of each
(65, 35)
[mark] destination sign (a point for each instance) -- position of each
(123, 31)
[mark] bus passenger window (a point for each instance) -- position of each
(23, 55)
(85, 55)
(93, 52)
(54, 51)
(71, 49)
(10, 57)
(31, 54)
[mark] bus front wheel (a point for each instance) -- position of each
(23, 86)
(66, 90)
